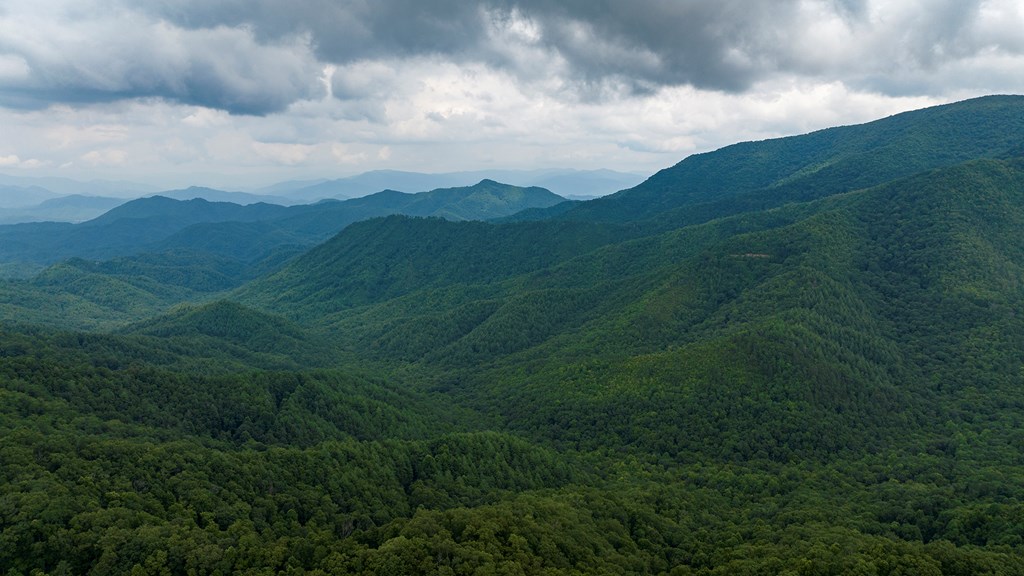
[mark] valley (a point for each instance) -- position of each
(794, 356)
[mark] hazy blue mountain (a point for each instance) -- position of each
(589, 183)
(67, 186)
(130, 228)
(23, 196)
(312, 223)
(309, 224)
(180, 213)
(379, 180)
(74, 208)
(214, 195)
(482, 201)
(249, 232)
(287, 187)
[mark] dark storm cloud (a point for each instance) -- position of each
(127, 55)
(716, 45)
(201, 88)
(720, 45)
(345, 30)
(258, 56)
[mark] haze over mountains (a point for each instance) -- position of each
(251, 231)
(62, 200)
(800, 355)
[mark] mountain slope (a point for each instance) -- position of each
(820, 320)
(384, 258)
(841, 331)
(227, 328)
(758, 175)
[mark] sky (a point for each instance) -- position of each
(242, 93)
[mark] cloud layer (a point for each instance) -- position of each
(310, 82)
(257, 57)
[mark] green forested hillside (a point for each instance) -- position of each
(824, 323)
(767, 362)
(758, 175)
(147, 255)
(384, 258)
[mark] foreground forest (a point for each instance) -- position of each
(797, 356)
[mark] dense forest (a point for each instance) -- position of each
(797, 356)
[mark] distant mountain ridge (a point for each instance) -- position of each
(309, 224)
(213, 195)
(250, 233)
(181, 213)
(590, 183)
(66, 186)
(22, 199)
(74, 208)
(23, 196)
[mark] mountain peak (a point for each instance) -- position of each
(756, 175)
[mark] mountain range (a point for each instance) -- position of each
(581, 184)
(801, 355)
(63, 200)
(159, 223)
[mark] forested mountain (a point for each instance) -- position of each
(759, 175)
(797, 356)
(385, 258)
(840, 288)
(157, 223)
(130, 228)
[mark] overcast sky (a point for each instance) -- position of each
(236, 93)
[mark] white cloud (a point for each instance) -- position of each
(13, 68)
(206, 117)
(191, 92)
(14, 161)
(289, 154)
(344, 155)
(107, 157)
